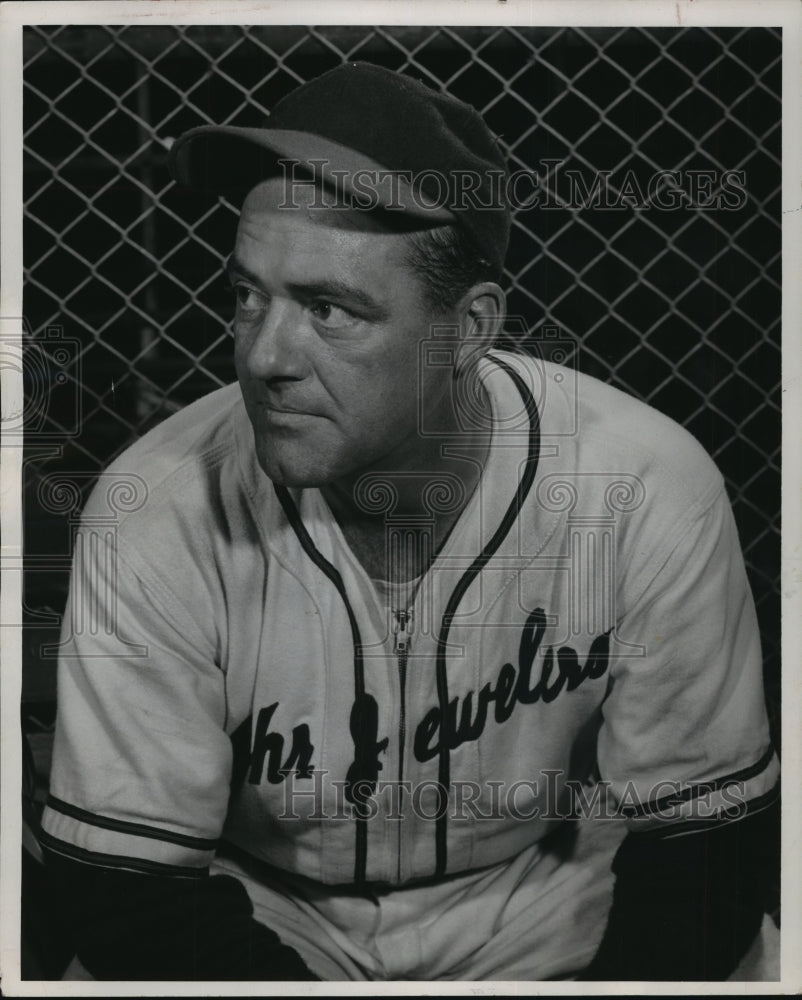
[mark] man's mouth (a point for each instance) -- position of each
(286, 408)
(282, 415)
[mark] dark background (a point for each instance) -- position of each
(126, 309)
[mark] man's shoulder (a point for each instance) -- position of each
(593, 426)
(177, 461)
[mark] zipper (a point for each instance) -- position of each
(402, 632)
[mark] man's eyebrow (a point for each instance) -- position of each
(329, 288)
(235, 268)
(341, 291)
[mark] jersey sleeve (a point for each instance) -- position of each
(141, 760)
(685, 737)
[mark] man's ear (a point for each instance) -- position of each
(483, 310)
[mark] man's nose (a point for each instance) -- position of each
(275, 348)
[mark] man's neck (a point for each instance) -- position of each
(412, 509)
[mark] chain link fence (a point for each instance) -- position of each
(651, 240)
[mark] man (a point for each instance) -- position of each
(449, 664)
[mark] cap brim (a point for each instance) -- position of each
(226, 160)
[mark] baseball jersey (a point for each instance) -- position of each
(585, 640)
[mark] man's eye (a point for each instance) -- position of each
(249, 301)
(330, 316)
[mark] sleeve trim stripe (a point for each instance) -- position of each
(723, 818)
(702, 788)
(118, 861)
(137, 829)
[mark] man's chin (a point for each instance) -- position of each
(292, 473)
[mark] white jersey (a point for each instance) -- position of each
(586, 627)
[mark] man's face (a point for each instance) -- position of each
(327, 326)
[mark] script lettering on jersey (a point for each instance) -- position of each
(271, 745)
(364, 771)
(458, 724)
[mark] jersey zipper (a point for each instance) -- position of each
(402, 631)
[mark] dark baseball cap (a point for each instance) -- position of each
(383, 140)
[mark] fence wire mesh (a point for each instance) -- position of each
(666, 284)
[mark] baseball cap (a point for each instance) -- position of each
(383, 140)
